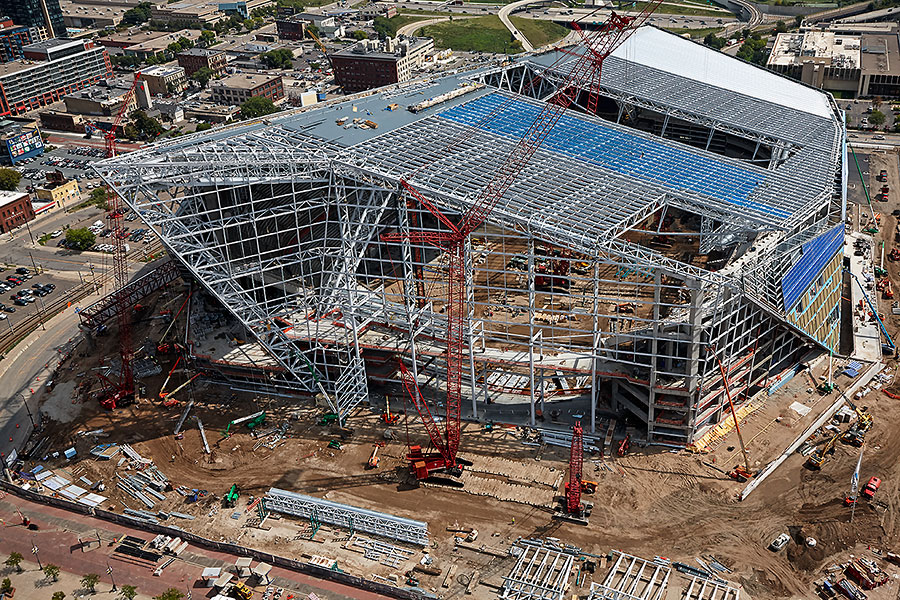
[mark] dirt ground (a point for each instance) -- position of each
(652, 502)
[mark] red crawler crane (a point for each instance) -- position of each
(584, 74)
(120, 392)
(576, 461)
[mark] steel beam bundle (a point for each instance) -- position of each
(350, 517)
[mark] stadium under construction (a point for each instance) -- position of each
(688, 227)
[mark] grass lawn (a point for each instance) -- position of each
(695, 33)
(539, 33)
(480, 34)
(430, 13)
(401, 20)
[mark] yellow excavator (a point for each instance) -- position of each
(863, 418)
(818, 458)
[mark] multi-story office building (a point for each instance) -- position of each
(202, 58)
(163, 79)
(239, 88)
(370, 63)
(12, 39)
(43, 17)
(25, 87)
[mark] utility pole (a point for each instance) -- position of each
(109, 570)
(27, 409)
(33, 266)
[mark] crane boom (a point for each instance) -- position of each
(583, 75)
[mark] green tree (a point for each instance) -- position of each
(202, 76)
(90, 580)
(51, 570)
(128, 592)
(15, 559)
(59, 595)
(713, 41)
(147, 126)
(257, 106)
(877, 118)
(9, 179)
(384, 27)
(359, 34)
(170, 594)
(312, 29)
(138, 14)
(754, 50)
(6, 586)
(203, 126)
(278, 59)
(125, 60)
(781, 27)
(207, 38)
(98, 197)
(81, 238)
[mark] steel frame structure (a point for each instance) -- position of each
(632, 578)
(541, 572)
(351, 517)
(282, 222)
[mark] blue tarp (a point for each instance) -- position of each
(816, 254)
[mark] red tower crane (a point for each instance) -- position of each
(584, 74)
(120, 392)
(576, 462)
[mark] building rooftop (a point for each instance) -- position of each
(841, 51)
(608, 170)
(162, 70)
(200, 52)
(52, 44)
(10, 197)
(880, 54)
(243, 80)
(159, 43)
(389, 48)
(138, 37)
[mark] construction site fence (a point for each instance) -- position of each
(234, 549)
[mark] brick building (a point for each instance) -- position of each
(15, 210)
(239, 88)
(371, 64)
(202, 58)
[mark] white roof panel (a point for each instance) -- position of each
(655, 48)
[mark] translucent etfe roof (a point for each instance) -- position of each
(638, 157)
(655, 48)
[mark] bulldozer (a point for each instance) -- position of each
(242, 591)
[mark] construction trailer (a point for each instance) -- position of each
(699, 205)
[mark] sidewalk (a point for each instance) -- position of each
(57, 540)
(32, 584)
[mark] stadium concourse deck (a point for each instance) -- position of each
(693, 218)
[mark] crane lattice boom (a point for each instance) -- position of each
(584, 75)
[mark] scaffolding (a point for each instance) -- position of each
(637, 238)
(541, 572)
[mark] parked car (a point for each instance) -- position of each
(20, 302)
(779, 542)
(22, 270)
(56, 233)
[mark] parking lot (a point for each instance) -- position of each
(23, 294)
(74, 162)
